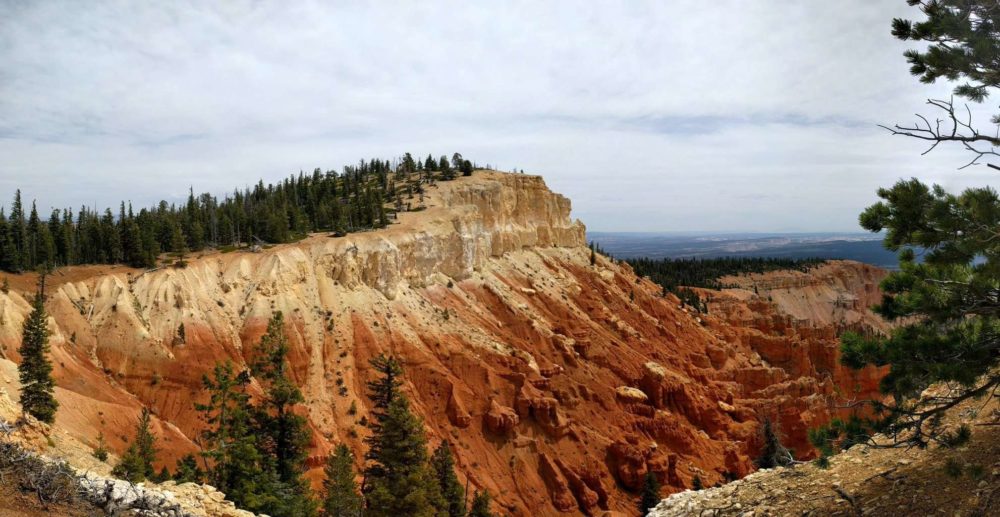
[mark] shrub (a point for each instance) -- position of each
(953, 468)
(101, 451)
(50, 482)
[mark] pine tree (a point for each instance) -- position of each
(188, 471)
(18, 235)
(696, 483)
(481, 505)
(7, 250)
(399, 480)
(35, 370)
(132, 245)
(178, 244)
(137, 463)
(946, 305)
(228, 439)
(283, 434)
(32, 236)
(341, 497)
(162, 476)
(382, 391)
(243, 465)
(446, 172)
(773, 453)
(451, 490)
(650, 493)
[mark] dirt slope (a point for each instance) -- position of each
(559, 383)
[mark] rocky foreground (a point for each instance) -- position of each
(559, 383)
(47, 471)
(963, 481)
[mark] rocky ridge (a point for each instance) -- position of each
(559, 383)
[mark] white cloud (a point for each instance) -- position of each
(728, 115)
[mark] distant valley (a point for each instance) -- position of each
(862, 247)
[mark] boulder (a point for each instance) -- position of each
(630, 395)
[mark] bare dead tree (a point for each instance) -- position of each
(952, 128)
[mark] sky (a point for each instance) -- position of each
(679, 115)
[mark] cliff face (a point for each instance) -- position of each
(558, 383)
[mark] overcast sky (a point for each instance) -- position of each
(651, 116)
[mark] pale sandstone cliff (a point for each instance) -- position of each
(558, 383)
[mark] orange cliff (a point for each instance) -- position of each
(559, 384)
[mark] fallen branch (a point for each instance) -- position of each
(849, 498)
(881, 474)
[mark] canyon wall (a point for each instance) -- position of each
(558, 383)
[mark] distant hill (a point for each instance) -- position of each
(862, 247)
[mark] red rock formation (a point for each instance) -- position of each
(560, 384)
(500, 419)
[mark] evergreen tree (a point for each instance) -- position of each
(446, 172)
(7, 250)
(382, 391)
(18, 235)
(132, 245)
(696, 483)
(35, 370)
(55, 228)
(650, 493)
(188, 471)
(946, 305)
(963, 44)
(230, 443)
(772, 453)
(399, 480)
(341, 497)
(66, 243)
(46, 248)
(481, 505)
(32, 236)
(177, 242)
(451, 490)
(137, 463)
(162, 476)
(283, 434)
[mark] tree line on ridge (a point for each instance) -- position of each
(352, 200)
